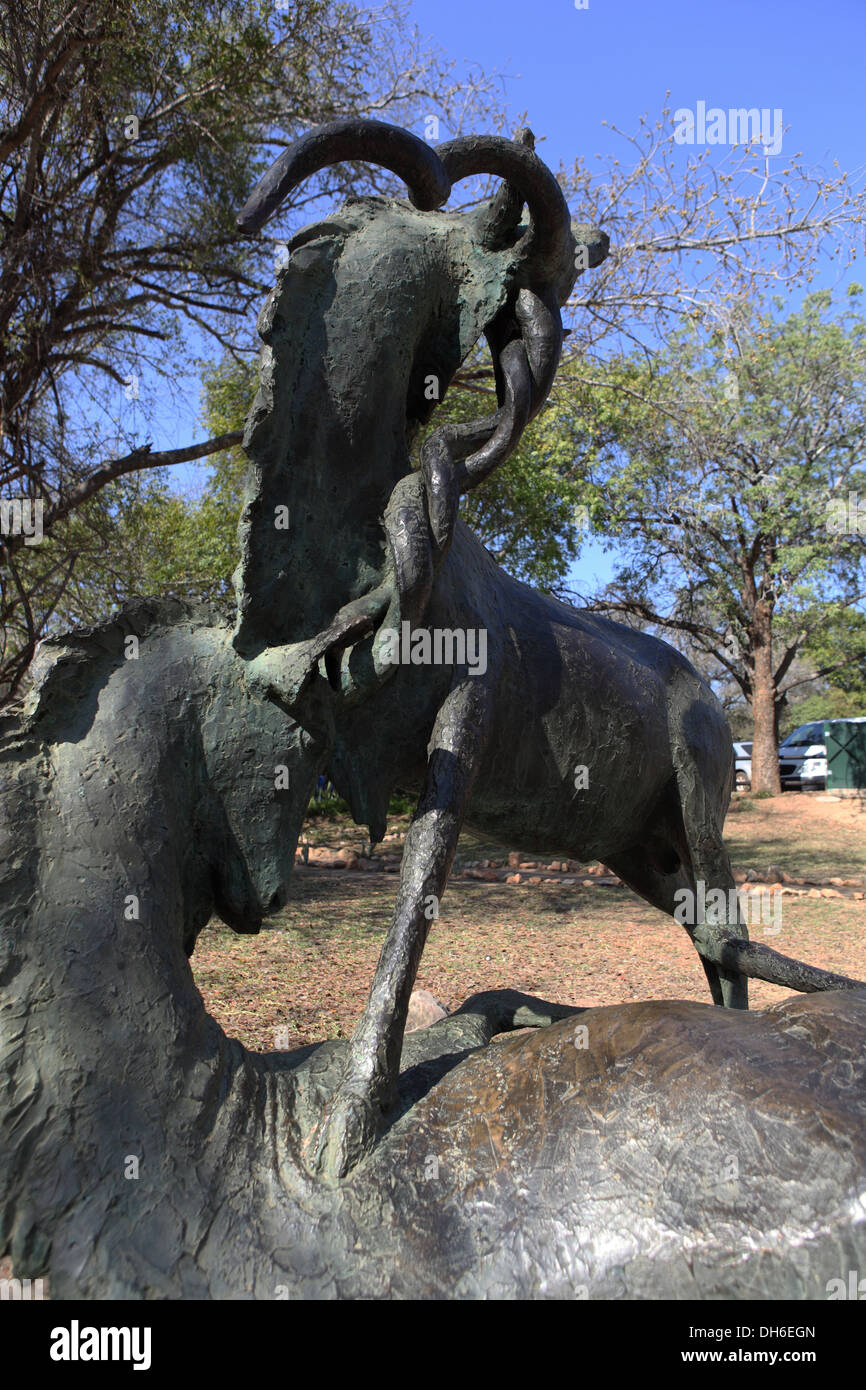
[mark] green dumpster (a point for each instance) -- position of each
(845, 740)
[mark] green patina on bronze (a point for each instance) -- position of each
(149, 784)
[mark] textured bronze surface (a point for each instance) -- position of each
(160, 769)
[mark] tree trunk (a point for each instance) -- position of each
(765, 744)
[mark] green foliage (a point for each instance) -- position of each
(839, 645)
(831, 704)
(140, 536)
(131, 136)
(329, 807)
(716, 461)
(530, 511)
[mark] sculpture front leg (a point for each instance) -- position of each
(368, 1086)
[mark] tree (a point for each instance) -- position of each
(688, 232)
(174, 273)
(130, 137)
(828, 689)
(725, 477)
(695, 227)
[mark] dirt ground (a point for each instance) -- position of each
(306, 976)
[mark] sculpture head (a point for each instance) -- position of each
(367, 325)
(546, 252)
(153, 709)
(261, 769)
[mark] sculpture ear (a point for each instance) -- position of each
(496, 221)
(592, 245)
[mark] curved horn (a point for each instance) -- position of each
(525, 349)
(511, 419)
(353, 138)
(549, 239)
(540, 324)
(497, 220)
(445, 476)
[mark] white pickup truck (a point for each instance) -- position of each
(803, 756)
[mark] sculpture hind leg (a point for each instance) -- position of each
(712, 867)
(662, 865)
(643, 873)
(703, 768)
(368, 1086)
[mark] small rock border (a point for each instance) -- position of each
(530, 873)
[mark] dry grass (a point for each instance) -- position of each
(309, 971)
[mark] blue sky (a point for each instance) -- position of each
(572, 69)
(575, 68)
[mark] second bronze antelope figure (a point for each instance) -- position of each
(376, 301)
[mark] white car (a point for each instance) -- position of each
(803, 755)
(803, 758)
(742, 766)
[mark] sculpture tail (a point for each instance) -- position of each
(734, 953)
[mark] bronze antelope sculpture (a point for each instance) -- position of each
(151, 777)
(376, 301)
(145, 1154)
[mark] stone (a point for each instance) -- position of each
(424, 1009)
(373, 865)
(323, 858)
